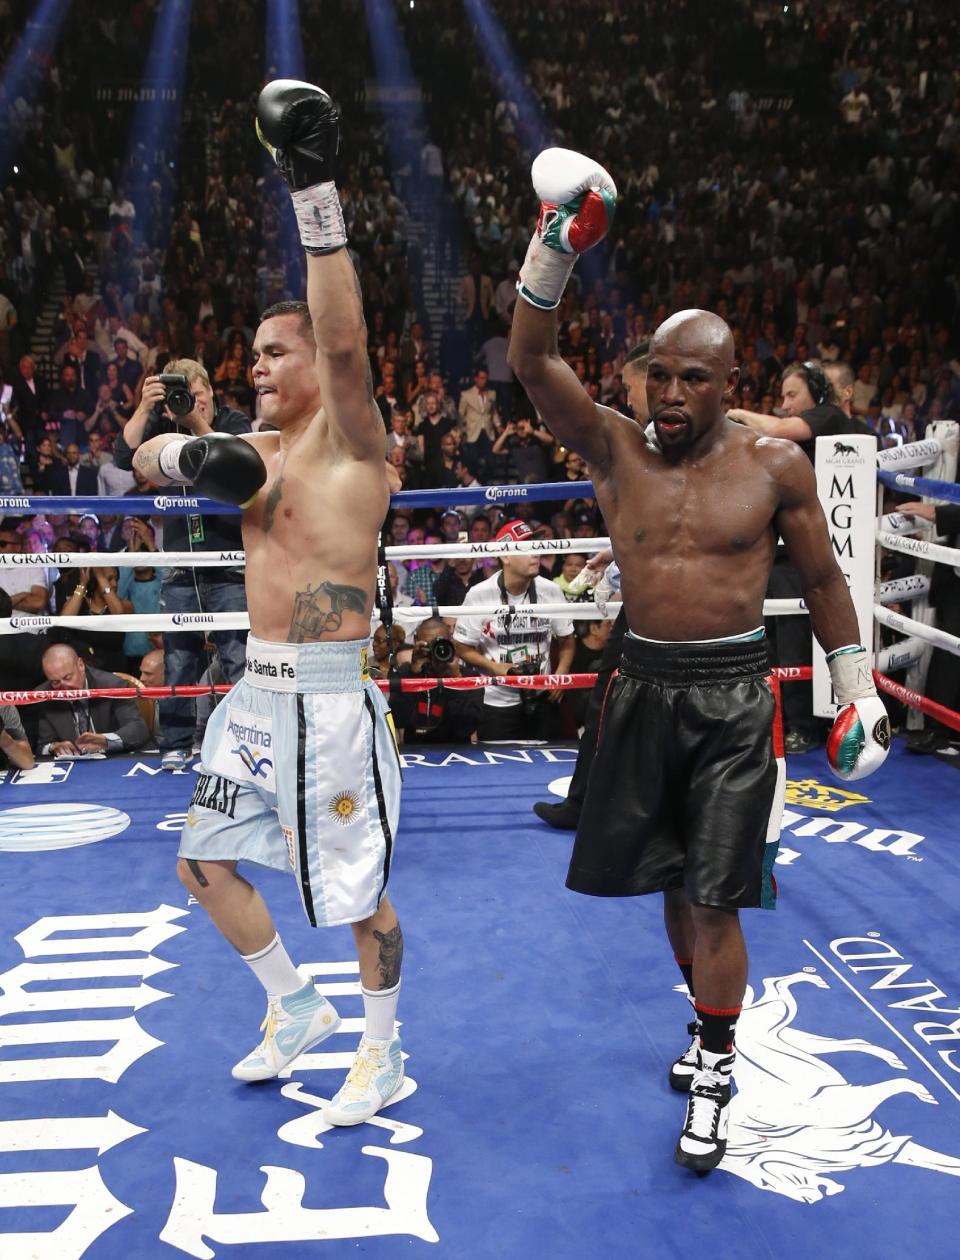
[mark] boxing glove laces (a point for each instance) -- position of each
(860, 737)
(577, 201)
(299, 126)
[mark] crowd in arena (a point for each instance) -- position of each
(793, 167)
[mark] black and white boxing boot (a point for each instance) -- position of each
(683, 1068)
(703, 1142)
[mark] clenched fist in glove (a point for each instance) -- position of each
(860, 739)
(577, 201)
(299, 126)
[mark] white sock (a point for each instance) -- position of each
(273, 968)
(380, 1011)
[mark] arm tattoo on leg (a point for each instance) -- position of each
(390, 957)
(312, 619)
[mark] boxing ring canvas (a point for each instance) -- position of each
(539, 1026)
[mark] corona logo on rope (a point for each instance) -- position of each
(193, 619)
(816, 795)
(163, 501)
(493, 493)
(8, 504)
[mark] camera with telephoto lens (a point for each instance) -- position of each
(178, 397)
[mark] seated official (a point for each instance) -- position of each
(72, 728)
(437, 716)
(14, 744)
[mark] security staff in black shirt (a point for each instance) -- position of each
(195, 589)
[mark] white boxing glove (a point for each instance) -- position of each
(860, 737)
(577, 201)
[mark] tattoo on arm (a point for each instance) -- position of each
(390, 956)
(319, 611)
(274, 495)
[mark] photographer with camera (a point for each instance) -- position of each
(515, 643)
(181, 400)
(437, 716)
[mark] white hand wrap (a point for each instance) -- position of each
(850, 674)
(544, 273)
(169, 461)
(320, 218)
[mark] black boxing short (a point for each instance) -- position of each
(688, 783)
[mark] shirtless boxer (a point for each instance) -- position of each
(686, 790)
(299, 765)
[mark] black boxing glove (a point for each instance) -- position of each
(221, 466)
(299, 126)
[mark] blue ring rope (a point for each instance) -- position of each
(948, 491)
(178, 505)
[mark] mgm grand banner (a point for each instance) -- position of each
(847, 487)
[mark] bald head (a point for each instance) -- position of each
(63, 667)
(151, 669)
(694, 332)
(690, 376)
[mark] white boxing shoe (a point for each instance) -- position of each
(376, 1075)
(293, 1023)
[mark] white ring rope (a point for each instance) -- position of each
(910, 455)
(194, 622)
(207, 559)
(902, 590)
(919, 547)
(906, 625)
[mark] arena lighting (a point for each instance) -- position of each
(534, 127)
(155, 131)
(26, 67)
(399, 98)
(283, 59)
(284, 50)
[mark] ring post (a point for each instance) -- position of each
(846, 468)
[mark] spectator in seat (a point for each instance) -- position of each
(478, 421)
(526, 446)
(75, 728)
(10, 479)
(70, 407)
(72, 478)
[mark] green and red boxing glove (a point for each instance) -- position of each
(859, 741)
(577, 201)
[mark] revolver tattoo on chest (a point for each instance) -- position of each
(319, 610)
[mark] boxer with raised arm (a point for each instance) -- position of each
(299, 765)
(686, 790)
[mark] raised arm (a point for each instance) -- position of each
(299, 125)
(343, 365)
(577, 200)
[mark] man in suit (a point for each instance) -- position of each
(71, 728)
(30, 399)
(72, 478)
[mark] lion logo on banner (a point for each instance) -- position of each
(796, 1122)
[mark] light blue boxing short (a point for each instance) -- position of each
(300, 772)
